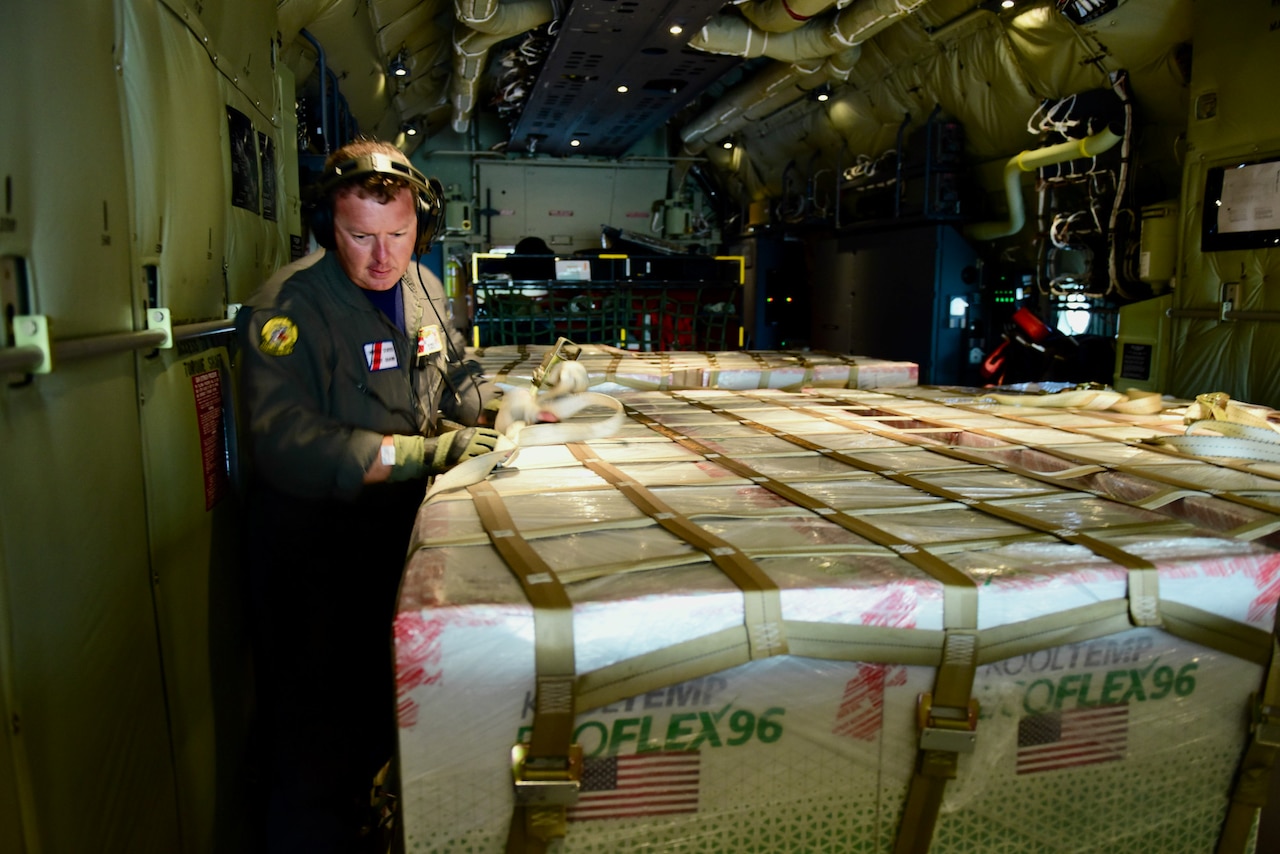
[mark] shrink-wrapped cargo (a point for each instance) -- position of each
(843, 621)
(612, 369)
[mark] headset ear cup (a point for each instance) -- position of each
(429, 214)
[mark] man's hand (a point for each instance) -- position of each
(458, 445)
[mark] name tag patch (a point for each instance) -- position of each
(381, 355)
(430, 341)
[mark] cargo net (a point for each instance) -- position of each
(643, 317)
(1118, 600)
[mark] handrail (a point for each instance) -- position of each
(28, 359)
(198, 330)
(1215, 314)
(74, 349)
(22, 359)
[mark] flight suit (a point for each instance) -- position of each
(325, 375)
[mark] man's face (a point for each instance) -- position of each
(375, 241)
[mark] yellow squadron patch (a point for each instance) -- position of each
(279, 334)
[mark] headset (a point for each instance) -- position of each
(428, 194)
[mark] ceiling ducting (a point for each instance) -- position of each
(481, 25)
(822, 50)
(596, 76)
(617, 70)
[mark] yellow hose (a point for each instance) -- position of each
(1026, 161)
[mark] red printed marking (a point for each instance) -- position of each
(418, 654)
(417, 640)
(710, 469)
(861, 713)
(1263, 609)
(898, 609)
(1263, 569)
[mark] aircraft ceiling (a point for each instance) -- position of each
(545, 73)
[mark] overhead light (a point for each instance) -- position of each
(399, 64)
(409, 129)
(623, 89)
(727, 144)
(1006, 4)
(575, 142)
(676, 29)
(822, 93)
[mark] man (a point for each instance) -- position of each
(347, 385)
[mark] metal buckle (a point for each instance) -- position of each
(953, 730)
(547, 780)
(1266, 724)
(564, 350)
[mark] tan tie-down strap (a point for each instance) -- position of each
(1253, 778)
(1181, 488)
(761, 599)
(945, 729)
(504, 372)
(948, 715)
(1251, 789)
(1144, 587)
(1145, 606)
(546, 771)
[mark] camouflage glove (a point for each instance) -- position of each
(409, 460)
(458, 445)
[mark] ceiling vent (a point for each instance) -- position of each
(617, 70)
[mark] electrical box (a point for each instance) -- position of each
(1142, 345)
(457, 211)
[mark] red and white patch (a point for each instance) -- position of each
(381, 356)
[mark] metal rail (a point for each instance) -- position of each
(28, 359)
(1211, 314)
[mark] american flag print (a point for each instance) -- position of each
(639, 785)
(1072, 738)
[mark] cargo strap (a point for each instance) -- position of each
(1253, 778)
(546, 770)
(564, 395)
(1240, 441)
(948, 715)
(762, 606)
(947, 720)
(1143, 578)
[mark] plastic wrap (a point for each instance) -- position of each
(1119, 739)
(615, 370)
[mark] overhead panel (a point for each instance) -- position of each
(606, 44)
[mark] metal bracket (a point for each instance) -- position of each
(1230, 298)
(564, 350)
(950, 740)
(32, 330)
(942, 728)
(546, 781)
(158, 318)
(1266, 724)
